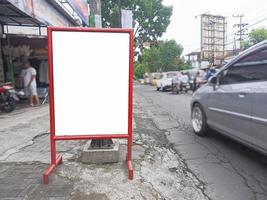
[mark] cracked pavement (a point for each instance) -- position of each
(170, 162)
(24, 154)
(225, 168)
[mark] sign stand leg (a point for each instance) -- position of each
(129, 159)
(54, 161)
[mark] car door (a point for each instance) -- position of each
(259, 115)
(259, 106)
(230, 103)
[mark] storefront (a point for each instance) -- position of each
(16, 49)
(23, 35)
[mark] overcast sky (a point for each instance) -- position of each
(185, 21)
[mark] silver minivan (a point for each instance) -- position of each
(234, 101)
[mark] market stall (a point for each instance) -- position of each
(23, 35)
(17, 49)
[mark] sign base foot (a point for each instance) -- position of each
(130, 169)
(51, 168)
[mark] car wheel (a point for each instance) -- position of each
(199, 120)
(158, 88)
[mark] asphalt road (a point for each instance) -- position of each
(226, 169)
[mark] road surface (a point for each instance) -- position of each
(169, 161)
(225, 169)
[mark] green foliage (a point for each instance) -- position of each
(169, 52)
(245, 44)
(139, 70)
(184, 65)
(151, 18)
(255, 36)
(164, 56)
(150, 58)
(258, 35)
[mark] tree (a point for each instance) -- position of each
(169, 51)
(151, 59)
(139, 70)
(163, 56)
(151, 18)
(254, 37)
(181, 64)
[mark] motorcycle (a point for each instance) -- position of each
(180, 87)
(184, 87)
(8, 97)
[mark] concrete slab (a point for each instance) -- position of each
(192, 151)
(179, 137)
(99, 156)
(165, 125)
(215, 173)
(228, 191)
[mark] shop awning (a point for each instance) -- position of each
(13, 16)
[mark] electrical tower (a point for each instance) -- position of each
(241, 28)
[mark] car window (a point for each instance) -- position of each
(170, 75)
(248, 69)
(260, 56)
(157, 76)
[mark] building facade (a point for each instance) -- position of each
(23, 30)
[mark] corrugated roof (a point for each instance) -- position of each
(11, 15)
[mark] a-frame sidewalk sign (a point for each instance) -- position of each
(90, 87)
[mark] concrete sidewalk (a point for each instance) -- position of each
(158, 171)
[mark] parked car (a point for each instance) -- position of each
(146, 79)
(165, 81)
(142, 81)
(234, 101)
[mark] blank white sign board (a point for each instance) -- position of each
(91, 82)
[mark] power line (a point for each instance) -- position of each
(241, 28)
(231, 37)
(253, 24)
(262, 20)
(249, 26)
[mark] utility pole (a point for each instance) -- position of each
(119, 13)
(95, 21)
(234, 47)
(213, 42)
(241, 28)
(95, 13)
(2, 77)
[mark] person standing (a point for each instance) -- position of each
(174, 84)
(29, 81)
(197, 81)
(183, 80)
(211, 71)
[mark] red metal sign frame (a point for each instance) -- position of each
(56, 160)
